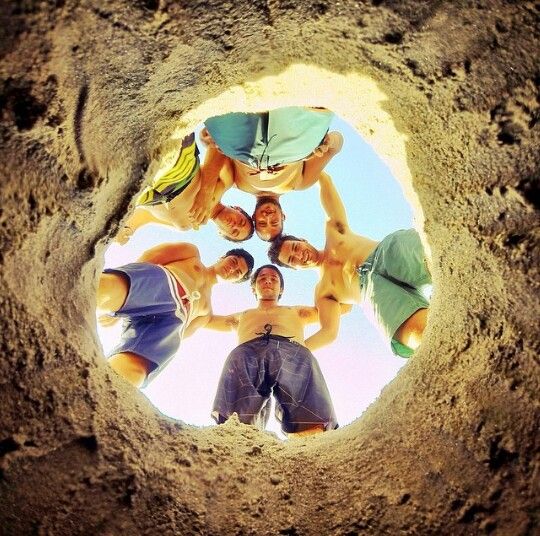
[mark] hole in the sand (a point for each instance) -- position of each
(360, 362)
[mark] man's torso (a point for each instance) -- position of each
(344, 253)
(285, 321)
(252, 181)
(176, 212)
(192, 276)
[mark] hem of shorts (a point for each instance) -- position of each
(413, 310)
(132, 351)
(328, 426)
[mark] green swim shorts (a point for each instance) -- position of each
(166, 187)
(390, 280)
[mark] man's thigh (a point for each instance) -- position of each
(401, 257)
(241, 388)
(303, 399)
(112, 292)
(132, 367)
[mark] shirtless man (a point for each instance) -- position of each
(272, 357)
(353, 268)
(271, 153)
(188, 195)
(159, 297)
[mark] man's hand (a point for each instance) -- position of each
(332, 142)
(329, 317)
(123, 236)
(106, 321)
(202, 207)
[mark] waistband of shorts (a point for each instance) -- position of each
(275, 337)
(366, 266)
(182, 296)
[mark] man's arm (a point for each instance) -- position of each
(314, 165)
(195, 324)
(138, 218)
(215, 322)
(223, 323)
(210, 190)
(329, 317)
(166, 253)
(332, 204)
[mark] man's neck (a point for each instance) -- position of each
(321, 256)
(267, 304)
(217, 209)
(211, 275)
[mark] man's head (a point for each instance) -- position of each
(234, 224)
(268, 218)
(267, 282)
(235, 265)
(293, 252)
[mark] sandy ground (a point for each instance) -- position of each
(448, 92)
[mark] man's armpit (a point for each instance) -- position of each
(233, 321)
(305, 312)
(339, 227)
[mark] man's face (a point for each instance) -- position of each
(232, 268)
(298, 254)
(267, 285)
(232, 223)
(268, 220)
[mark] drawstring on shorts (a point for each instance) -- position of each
(267, 335)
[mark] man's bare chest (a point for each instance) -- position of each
(339, 278)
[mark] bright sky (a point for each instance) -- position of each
(356, 366)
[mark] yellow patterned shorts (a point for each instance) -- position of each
(166, 187)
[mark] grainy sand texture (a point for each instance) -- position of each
(93, 94)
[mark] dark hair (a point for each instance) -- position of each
(261, 201)
(250, 223)
(276, 269)
(275, 248)
(239, 252)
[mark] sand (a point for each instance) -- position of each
(93, 93)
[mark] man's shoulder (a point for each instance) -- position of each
(337, 230)
(247, 312)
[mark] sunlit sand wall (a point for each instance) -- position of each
(92, 95)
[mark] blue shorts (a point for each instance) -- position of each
(256, 368)
(153, 314)
(391, 279)
(267, 139)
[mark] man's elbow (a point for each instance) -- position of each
(332, 335)
(328, 335)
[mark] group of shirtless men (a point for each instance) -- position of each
(166, 294)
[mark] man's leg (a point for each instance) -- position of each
(241, 388)
(131, 367)
(318, 429)
(410, 332)
(112, 292)
(303, 403)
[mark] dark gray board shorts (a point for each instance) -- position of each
(255, 369)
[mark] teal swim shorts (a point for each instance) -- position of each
(268, 139)
(391, 279)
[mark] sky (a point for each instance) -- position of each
(358, 364)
